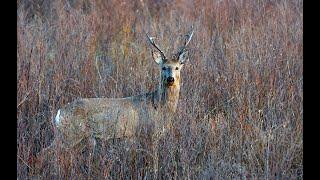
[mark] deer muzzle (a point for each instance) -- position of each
(170, 81)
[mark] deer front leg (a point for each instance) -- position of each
(155, 151)
(155, 158)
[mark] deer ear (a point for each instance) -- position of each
(183, 57)
(157, 57)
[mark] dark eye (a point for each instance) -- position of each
(163, 68)
(177, 68)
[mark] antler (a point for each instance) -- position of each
(154, 45)
(186, 42)
(188, 38)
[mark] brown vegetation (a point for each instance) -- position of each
(240, 107)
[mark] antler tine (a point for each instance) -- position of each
(188, 38)
(154, 45)
(186, 42)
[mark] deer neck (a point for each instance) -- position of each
(169, 96)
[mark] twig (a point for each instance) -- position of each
(24, 162)
(23, 100)
(212, 110)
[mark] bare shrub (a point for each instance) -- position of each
(240, 108)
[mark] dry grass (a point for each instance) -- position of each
(240, 109)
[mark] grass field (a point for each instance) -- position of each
(240, 112)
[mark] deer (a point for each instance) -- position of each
(108, 118)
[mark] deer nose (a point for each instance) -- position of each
(170, 79)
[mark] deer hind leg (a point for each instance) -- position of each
(48, 160)
(85, 156)
(58, 156)
(93, 160)
(66, 156)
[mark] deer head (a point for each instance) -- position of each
(170, 67)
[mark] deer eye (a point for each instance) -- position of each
(163, 68)
(177, 68)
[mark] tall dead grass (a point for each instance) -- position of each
(240, 107)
